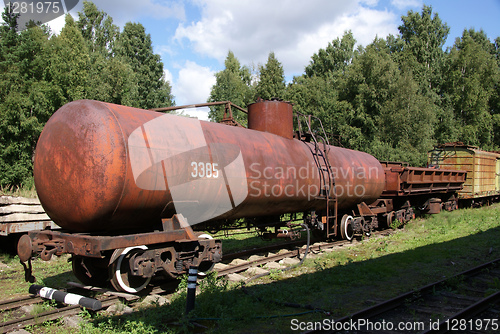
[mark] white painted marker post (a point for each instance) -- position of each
(191, 289)
(65, 297)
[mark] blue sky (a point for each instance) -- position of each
(193, 37)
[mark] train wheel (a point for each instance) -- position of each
(346, 229)
(121, 277)
(90, 271)
(389, 219)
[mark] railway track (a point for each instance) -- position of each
(232, 268)
(241, 265)
(465, 303)
(54, 314)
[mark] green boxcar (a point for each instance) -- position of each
(483, 168)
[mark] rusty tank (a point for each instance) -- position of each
(105, 167)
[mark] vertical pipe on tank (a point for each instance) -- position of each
(271, 116)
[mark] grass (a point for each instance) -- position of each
(55, 273)
(341, 282)
(28, 192)
(245, 240)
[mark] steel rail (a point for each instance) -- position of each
(65, 311)
(18, 302)
(466, 313)
(289, 254)
(376, 310)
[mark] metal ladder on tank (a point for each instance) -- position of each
(327, 182)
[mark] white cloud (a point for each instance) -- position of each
(164, 50)
(293, 30)
(193, 84)
(167, 76)
(402, 4)
(201, 113)
(123, 11)
(56, 25)
(367, 24)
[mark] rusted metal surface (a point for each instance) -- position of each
(483, 168)
(359, 177)
(91, 176)
(393, 171)
(402, 180)
(271, 116)
(92, 246)
(110, 175)
(434, 206)
(431, 180)
(171, 251)
(80, 168)
(58, 243)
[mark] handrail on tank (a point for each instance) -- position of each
(227, 118)
(199, 105)
(308, 123)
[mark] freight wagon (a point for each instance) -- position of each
(483, 170)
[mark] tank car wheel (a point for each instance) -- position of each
(90, 271)
(346, 228)
(389, 219)
(121, 278)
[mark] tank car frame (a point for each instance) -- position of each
(170, 252)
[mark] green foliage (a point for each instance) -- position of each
(40, 72)
(134, 47)
(232, 84)
(335, 58)
(473, 77)
(97, 29)
(28, 98)
(424, 37)
(271, 80)
(396, 98)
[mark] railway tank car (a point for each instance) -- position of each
(104, 167)
(129, 187)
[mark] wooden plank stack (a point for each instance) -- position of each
(20, 214)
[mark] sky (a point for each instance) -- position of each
(193, 37)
